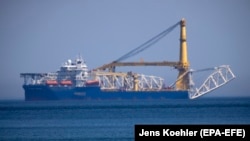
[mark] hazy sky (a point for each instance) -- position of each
(39, 35)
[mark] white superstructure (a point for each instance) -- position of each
(70, 73)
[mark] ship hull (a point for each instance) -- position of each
(44, 92)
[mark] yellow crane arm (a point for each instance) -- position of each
(116, 64)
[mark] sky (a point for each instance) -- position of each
(39, 35)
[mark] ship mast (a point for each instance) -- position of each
(183, 67)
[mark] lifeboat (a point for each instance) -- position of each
(92, 82)
(51, 82)
(66, 82)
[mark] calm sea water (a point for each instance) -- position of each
(112, 120)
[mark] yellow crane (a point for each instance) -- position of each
(182, 65)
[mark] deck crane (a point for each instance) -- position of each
(184, 81)
(111, 66)
(182, 65)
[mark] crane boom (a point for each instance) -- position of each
(111, 66)
(114, 64)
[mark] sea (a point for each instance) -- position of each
(112, 120)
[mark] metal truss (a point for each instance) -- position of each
(219, 77)
(126, 81)
(150, 82)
